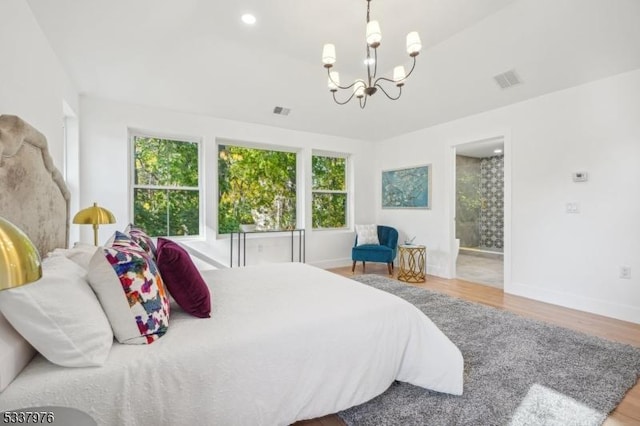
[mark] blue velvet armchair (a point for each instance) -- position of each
(385, 252)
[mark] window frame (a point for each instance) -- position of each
(137, 133)
(347, 190)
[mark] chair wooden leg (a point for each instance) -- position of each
(363, 266)
(353, 268)
(390, 268)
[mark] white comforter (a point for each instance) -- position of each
(285, 342)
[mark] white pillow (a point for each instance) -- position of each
(81, 253)
(15, 353)
(367, 234)
(60, 315)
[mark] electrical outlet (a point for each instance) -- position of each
(625, 272)
(573, 207)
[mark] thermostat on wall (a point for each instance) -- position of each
(580, 176)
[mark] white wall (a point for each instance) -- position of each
(104, 173)
(567, 259)
(33, 83)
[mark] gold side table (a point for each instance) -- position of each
(413, 262)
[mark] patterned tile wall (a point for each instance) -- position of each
(468, 200)
(492, 193)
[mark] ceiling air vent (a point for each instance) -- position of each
(281, 110)
(507, 79)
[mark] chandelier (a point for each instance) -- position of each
(362, 89)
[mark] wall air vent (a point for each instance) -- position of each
(507, 79)
(281, 110)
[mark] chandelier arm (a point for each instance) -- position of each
(375, 64)
(413, 66)
(379, 86)
(363, 102)
(368, 61)
(337, 85)
(390, 80)
(342, 103)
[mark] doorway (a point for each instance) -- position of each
(480, 212)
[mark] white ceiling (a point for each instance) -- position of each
(196, 55)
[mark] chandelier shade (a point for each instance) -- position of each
(399, 75)
(374, 35)
(414, 45)
(364, 88)
(329, 55)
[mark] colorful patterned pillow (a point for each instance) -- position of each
(183, 279)
(142, 239)
(131, 292)
(367, 234)
(118, 239)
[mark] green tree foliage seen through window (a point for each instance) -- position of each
(329, 203)
(166, 199)
(256, 186)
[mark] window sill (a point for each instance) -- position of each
(333, 230)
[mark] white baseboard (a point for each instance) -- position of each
(437, 272)
(575, 301)
(338, 263)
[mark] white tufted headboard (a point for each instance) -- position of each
(33, 194)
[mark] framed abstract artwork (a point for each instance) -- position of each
(408, 188)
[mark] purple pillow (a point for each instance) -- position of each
(182, 278)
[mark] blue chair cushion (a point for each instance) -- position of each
(373, 253)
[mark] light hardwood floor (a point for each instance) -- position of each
(628, 411)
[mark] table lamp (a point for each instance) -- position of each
(19, 258)
(95, 216)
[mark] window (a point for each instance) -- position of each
(256, 186)
(329, 202)
(166, 193)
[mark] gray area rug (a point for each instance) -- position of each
(517, 371)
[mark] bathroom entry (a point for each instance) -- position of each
(479, 221)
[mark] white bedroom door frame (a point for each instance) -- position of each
(506, 138)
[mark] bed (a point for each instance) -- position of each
(284, 342)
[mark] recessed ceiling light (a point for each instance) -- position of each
(497, 151)
(248, 19)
